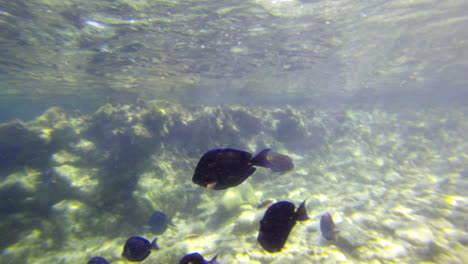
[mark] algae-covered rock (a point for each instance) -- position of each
(67, 214)
(105, 173)
(19, 205)
(20, 145)
(32, 143)
(121, 135)
(57, 128)
(81, 182)
(51, 117)
(298, 130)
(87, 151)
(31, 245)
(64, 157)
(210, 128)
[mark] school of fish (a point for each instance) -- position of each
(222, 168)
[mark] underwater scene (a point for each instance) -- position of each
(240, 131)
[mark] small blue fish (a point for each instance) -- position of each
(98, 260)
(196, 258)
(327, 226)
(158, 222)
(137, 248)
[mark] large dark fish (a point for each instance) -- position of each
(196, 258)
(280, 162)
(220, 169)
(137, 248)
(277, 223)
(327, 226)
(98, 260)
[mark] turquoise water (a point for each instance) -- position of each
(106, 108)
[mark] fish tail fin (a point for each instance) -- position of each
(213, 260)
(154, 244)
(261, 159)
(301, 213)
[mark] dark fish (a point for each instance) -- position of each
(158, 222)
(137, 248)
(327, 226)
(280, 163)
(98, 260)
(196, 258)
(277, 222)
(223, 168)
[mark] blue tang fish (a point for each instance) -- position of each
(158, 222)
(196, 258)
(98, 260)
(137, 248)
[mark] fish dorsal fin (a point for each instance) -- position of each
(261, 159)
(301, 212)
